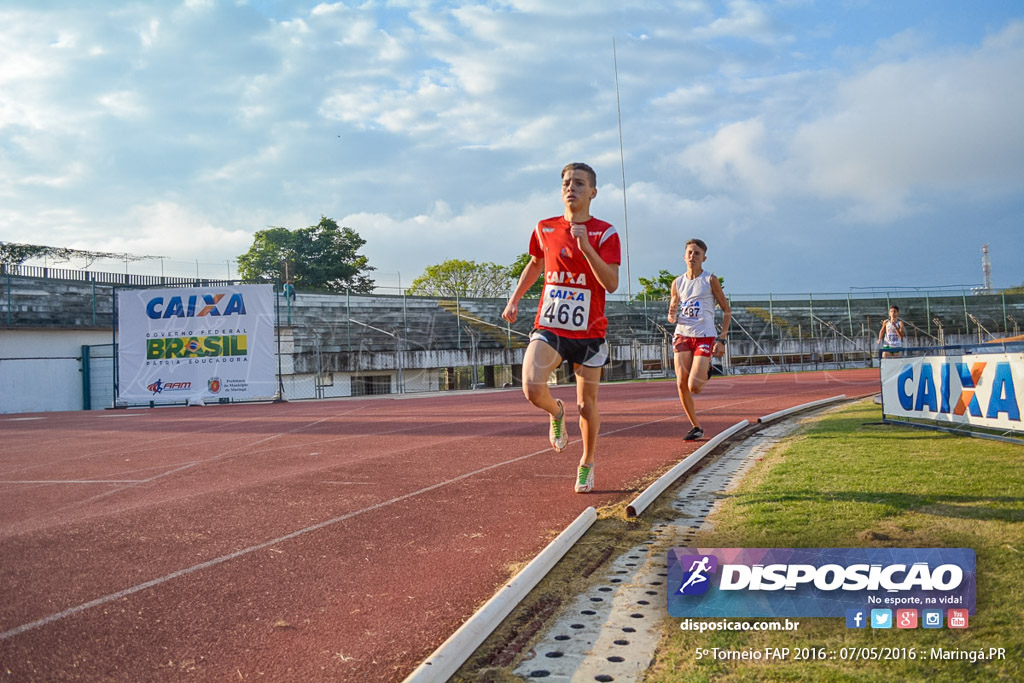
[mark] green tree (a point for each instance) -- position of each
(659, 288)
(322, 256)
(655, 288)
(537, 288)
(456, 277)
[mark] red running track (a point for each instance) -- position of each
(335, 540)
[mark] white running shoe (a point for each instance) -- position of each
(556, 434)
(584, 479)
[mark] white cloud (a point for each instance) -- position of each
(940, 123)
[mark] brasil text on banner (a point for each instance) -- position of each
(197, 343)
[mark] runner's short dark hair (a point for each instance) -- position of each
(580, 166)
(699, 243)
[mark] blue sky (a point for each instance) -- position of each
(816, 146)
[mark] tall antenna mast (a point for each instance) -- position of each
(622, 165)
(986, 267)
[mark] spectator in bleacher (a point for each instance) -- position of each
(890, 337)
(692, 308)
(579, 257)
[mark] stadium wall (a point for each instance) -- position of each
(41, 370)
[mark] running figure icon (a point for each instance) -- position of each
(697, 570)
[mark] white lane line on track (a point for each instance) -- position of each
(71, 481)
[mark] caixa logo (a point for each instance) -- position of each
(934, 392)
(195, 306)
(159, 386)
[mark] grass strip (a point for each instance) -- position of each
(849, 481)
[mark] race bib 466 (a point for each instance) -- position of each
(565, 308)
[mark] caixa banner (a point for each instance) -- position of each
(983, 390)
(817, 582)
(196, 343)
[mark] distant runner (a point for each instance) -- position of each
(890, 337)
(692, 308)
(579, 256)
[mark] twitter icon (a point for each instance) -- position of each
(881, 618)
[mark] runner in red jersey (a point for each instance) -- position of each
(573, 302)
(579, 258)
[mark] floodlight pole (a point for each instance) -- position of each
(622, 165)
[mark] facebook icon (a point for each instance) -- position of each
(856, 618)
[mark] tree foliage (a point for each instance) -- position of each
(321, 256)
(14, 253)
(464, 279)
(657, 288)
(537, 288)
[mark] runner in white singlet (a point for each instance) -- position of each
(890, 337)
(692, 309)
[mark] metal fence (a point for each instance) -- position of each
(348, 344)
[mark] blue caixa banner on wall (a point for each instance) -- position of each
(816, 582)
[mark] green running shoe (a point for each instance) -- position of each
(557, 435)
(584, 479)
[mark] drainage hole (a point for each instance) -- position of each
(616, 659)
(628, 629)
(540, 673)
(616, 581)
(605, 589)
(604, 678)
(596, 599)
(576, 626)
(621, 642)
(588, 612)
(562, 637)
(651, 592)
(636, 615)
(554, 654)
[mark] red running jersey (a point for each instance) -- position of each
(573, 301)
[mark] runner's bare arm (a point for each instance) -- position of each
(606, 273)
(673, 301)
(723, 303)
(529, 275)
